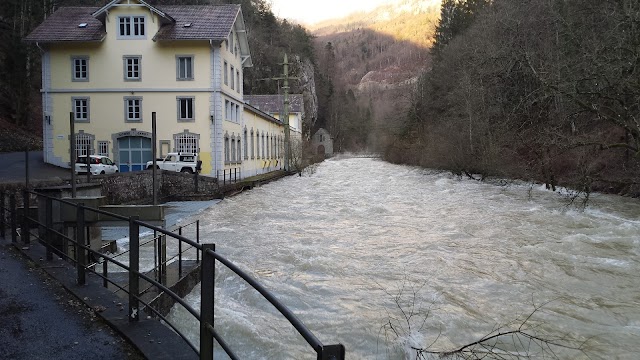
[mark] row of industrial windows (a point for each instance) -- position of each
(257, 146)
(133, 108)
(232, 111)
(132, 68)
(184, 142)
(232, 77)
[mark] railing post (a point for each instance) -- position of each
(105, 272)
(25, 235)
(180, 253)
(207, 279)
(80, 242)
(163, 263)
(3, 228)
(332, 352)
(48, 221)
(134, 268)
(14, 217)
(197, 241)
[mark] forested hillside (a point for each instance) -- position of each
(269, 39)
(368, 63)
(546, 90)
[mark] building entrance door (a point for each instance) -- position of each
(134, 153)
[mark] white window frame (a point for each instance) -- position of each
(81, 109)
(226, 73)
(133, 108)
(189, 103)
(187, 142)
(253, 153)
(226, 148)
(246, 144)
(135, 62)
(84, 141)
(129, 25)
(77, 72)
(233, 82)
(103, 148)
(233, 149)
(184, 67)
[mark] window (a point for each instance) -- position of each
(238, 80)
(184, 66)
(132, 68)
(263, 153)
(246, 145)
(237, 113)
(186, 109)
(131, 27)
(187, 142)
(226, 148)
(133, 109)
(227, 110)
(239, 153)
(80, 68)
(84, 144)
(232, 77)
(103, 148)
(80, 109)
(233, 149)
(226, 73)
(231, 43)
(252, 146)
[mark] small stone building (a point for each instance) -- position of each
(322, 143)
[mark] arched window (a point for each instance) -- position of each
(253, 154)
(233, 148)
(84, 143)
(246, 146)
(239, 158)
(186, 142)
(226, 148)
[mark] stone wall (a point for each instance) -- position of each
(136, 187)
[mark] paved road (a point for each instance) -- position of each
(12, 168)
(41, 321)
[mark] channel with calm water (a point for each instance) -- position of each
(342, 246)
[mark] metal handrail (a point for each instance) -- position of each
(302, 329)
(309, 337)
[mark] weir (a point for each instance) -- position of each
(90, 274)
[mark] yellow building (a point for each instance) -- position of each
(110, 68)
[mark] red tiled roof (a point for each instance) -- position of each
(63, 25)
(207, 22)
(274, 104)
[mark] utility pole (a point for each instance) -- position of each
(285, 115)
(285, 112)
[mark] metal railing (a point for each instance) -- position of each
(230, 176)
(51, 238)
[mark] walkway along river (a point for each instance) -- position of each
(335, 244)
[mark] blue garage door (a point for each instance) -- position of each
(134, 153)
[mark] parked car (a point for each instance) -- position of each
(179, 162)
(99, 165)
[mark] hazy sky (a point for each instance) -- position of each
(312, 11)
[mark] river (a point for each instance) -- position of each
(342, 246)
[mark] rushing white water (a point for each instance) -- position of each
(336, 245)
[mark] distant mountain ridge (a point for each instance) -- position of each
(387, 45)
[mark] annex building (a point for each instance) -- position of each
(110, 68)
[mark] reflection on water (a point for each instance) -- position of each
(335, 247)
